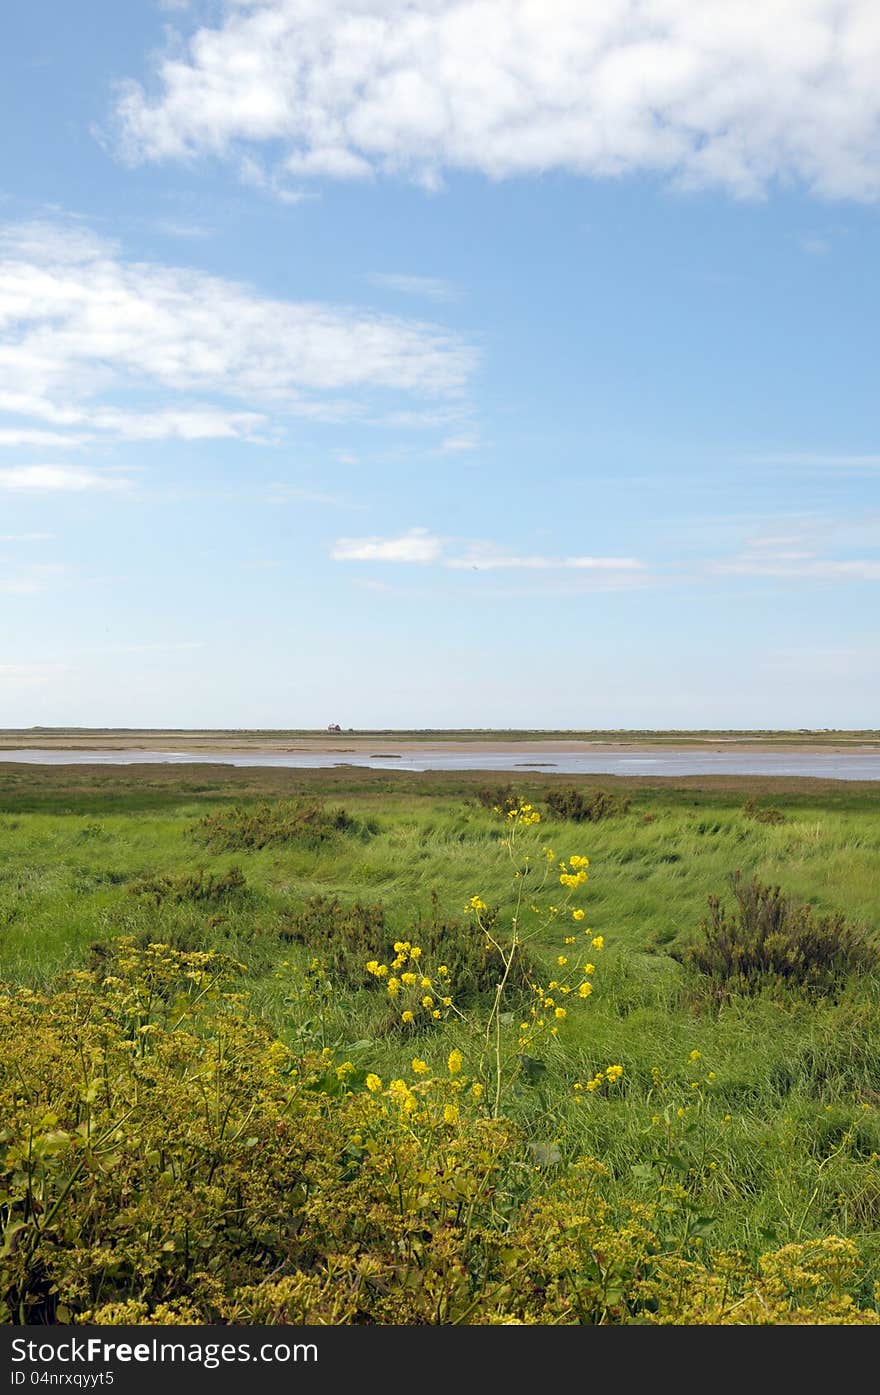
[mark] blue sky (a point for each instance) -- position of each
(444, 363)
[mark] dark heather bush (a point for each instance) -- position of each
(343, 937)
(499, 798)
(268, 825)
(474, 964)
(769, 938)
(768, 814)
(346, 937)
(589, 807)
(210, 887)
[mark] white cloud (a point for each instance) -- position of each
(841, 462)
(429, 287)
(815, 246)
(487, 559)
(418, 545)
(726, 92)
(48, 479)
(17, 437)
(169, 227)
(799, 567)
(458, 445)
(92, 344)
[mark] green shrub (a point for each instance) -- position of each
(587, 807)
(474, 963)
(766, 814)
(769, 939)
(164, 1159)
(500, 799)
(207, 887)
(345, 938)
(272, 825)
(342, 937)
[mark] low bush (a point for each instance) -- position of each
(766, 813)
(587, 806)
(164, 1159)
(273, 825)
(346, 938)
(767, 938)
(500, 799)
(342, 937)
(201, 886)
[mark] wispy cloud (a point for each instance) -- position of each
(815, 246)
(489, 560)
(736, 96)
(47, 479)
(425, 287)
(802, 568)
(80, 324)
(421, 546)
(458, 445)
(418, 545)
(799, 552)
(840, 462)
(16, 437)
(169, 227)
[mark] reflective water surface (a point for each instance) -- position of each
(826, 765)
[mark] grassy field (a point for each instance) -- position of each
(757, 1113)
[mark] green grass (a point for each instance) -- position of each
(780, 1145)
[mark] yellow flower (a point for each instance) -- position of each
(589, 968)
(425, 983)
(408, 979)
(572, 879)
(560, 1014)
(578, 915)
(450, 1114)
(694, 1056)
(443, 971)
(614, 1072)
(373, 966)
(436, 1013)
(407, 1016)
(598, 942)
(373, 1083)
(420, 1067)
(427, 1001)
(477, 1091)
(561, 960)
(415, 952)
(394, 987)
(455, 1061)
(585, 990)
